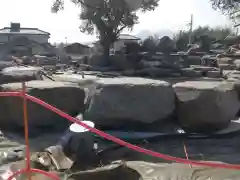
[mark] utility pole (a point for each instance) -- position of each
(66, 40)
(190, 30)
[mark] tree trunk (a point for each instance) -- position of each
(106, 50)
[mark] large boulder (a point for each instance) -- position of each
(206, 105)
(190, 72)
(119, 101)
(20, 74)
(227, 66)
(237, 64)
(233, 75)
(209, 60)
(75, 78)
(198, 71)
(5, 64)
(155, 72)
(194, 60)
(225, 60)
(65, 96)
(87, 82)
(214, 74)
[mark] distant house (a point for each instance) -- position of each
(74, 51)
(124, 39)
(77, 49)
(15, 30)
(18, 41)
(23, 46)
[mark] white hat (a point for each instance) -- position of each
(79, 129)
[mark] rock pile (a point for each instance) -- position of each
(120, 101)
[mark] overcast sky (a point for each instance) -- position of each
(170, 15)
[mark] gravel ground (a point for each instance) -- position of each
(225, 150)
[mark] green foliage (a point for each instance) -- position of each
(228, 7)
(106, 18)
(215, 34)
(150, 44)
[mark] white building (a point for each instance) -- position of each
(124, 39)
(18, 41)
(15, 30)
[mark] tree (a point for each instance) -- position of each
(107, 18)
(215, 34)
(166, 45)
(132, 47)
(228, 7)
(181, 39)
(150, 44)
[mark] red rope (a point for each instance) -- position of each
(104, 135)
(22, 171)
(128, 145)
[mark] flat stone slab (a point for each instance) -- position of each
(117, 101)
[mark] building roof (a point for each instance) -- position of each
(33, 31)
(121, 37)
(75, 44)
(127, 37)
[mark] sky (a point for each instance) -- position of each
(170, 15)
